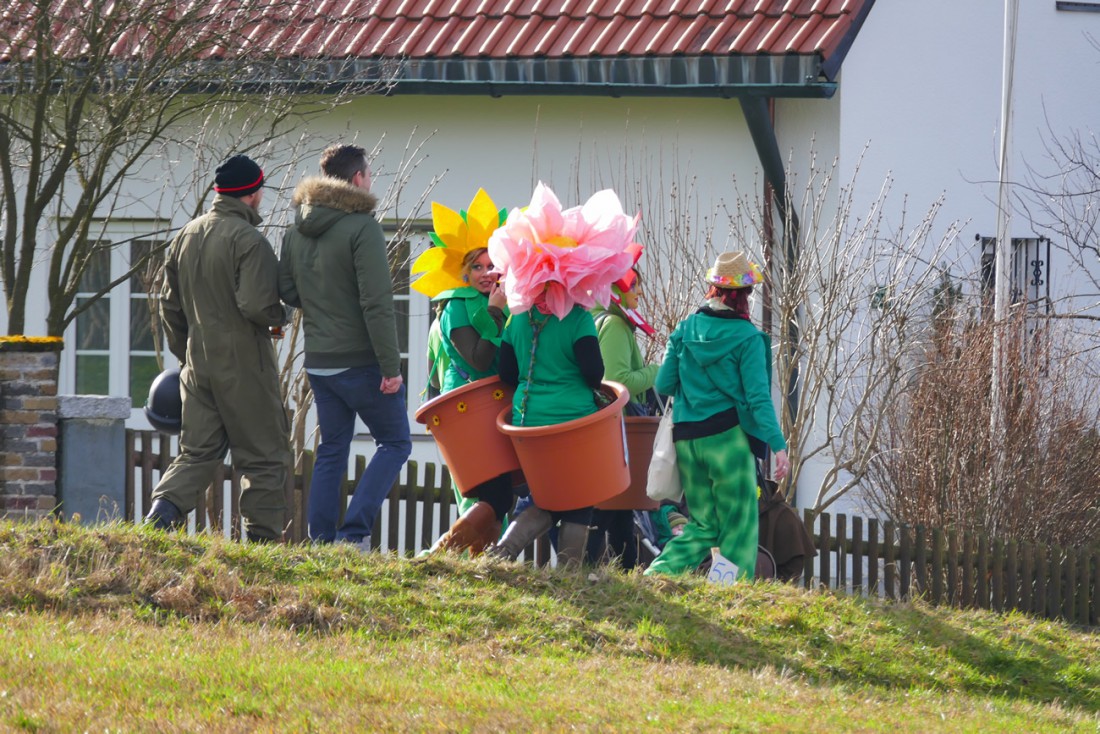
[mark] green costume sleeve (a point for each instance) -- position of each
(756, 378)
(622, 360)
(668, 376)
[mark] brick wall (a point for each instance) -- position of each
(28, 428)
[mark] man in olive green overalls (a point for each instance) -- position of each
(220, 296)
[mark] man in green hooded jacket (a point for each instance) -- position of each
(334, 267)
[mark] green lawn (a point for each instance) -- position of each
(126, 629)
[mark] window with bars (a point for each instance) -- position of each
(1028, 271)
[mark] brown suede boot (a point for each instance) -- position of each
(474, 530)
(530, 524)
(572, 540)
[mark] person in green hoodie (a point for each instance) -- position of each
(612, 531)
(333, 266)
(717, 368)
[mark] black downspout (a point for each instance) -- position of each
(760, 125)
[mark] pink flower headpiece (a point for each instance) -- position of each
(560, 259)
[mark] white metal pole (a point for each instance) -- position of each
(1004, 237)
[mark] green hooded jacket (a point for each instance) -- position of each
(622, 358)
(333, 266)
(712, 364)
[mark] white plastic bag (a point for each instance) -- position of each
(663, 478)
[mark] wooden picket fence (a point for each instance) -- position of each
(959, 568)
(419, 508)
(855, 555)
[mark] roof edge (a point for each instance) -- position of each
(831, 66)
(733, 76)
(673, 76)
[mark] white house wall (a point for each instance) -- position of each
(921, 90)
(920, 104)
(576, 145)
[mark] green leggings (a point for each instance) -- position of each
(719, 479)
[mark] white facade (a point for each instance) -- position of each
(921, 91)
(919, 102)
(638, 147)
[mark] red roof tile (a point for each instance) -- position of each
(516, 28)
(525, 33)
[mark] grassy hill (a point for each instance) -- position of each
(126, 629)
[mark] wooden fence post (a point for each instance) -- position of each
(1027, 578)
(1042, 576)
(953, 563)
(857, 555)
(808, 568)
(997, 576)
(983, 571)
(968, 548)
(921, 561)
(938, 545)
(841, 554)
(872, 558)
(1012, 589)
(905, 563)
(889, 567)
(130, 501)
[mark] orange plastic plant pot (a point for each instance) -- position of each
(575, 464)
(641, 430)
(463, 423)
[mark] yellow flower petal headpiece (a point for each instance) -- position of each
(456, 233)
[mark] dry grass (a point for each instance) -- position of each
(118, 628)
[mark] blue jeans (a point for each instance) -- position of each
(339, 398)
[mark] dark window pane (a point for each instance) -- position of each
(141, 326)
(399, 267)
(97, 274)
(93, 326)
(92, 371)
(401, 315)
(405, 377)
(143, 370)
(143, 277)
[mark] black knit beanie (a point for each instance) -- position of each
(239, 176)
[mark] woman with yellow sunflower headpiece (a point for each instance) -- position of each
(459, 277)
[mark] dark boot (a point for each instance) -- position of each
(163, 515)
(530, 524)
(572, 540)
(475, 530)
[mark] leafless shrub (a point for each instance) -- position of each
(846, 303)
(935, 458)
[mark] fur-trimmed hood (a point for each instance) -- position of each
(322, 201)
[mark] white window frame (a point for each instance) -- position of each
(419, 310)
(120, 231)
